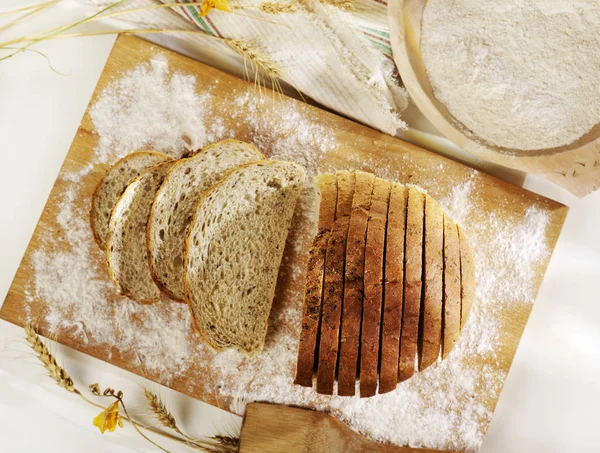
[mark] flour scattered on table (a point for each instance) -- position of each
(152, 107)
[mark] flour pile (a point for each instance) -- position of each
(520, 74)
(152, 107)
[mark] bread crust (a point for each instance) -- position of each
(412, 283)
(433, 276)
(313, 293)
(373, 281)
(393, 289)
(354, 284)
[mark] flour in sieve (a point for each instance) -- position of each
(519, 74)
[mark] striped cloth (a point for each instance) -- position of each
(341, 59)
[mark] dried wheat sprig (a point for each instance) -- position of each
(274, 7)
(42, 352)
(346, 5)
(53, 32)
(161, 412)
(62, 378)
(31, 13)
(217, 444)
(257, 58)
(27, 8)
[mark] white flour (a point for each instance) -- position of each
(442, 407)
(520, 74)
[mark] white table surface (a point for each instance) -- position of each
(549, 403)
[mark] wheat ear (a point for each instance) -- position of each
(346, 5)
(56, 372)
(274, 7)
(216, 444)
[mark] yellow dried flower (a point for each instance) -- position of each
(109, 418)
(207, 5)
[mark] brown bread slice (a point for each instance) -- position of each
(175, 204)
(412, 283)
(333, 292)
(353, 284)
(467, 273)
(113, 184)
(393, 289)
(311, 311)
(345, 184)
(233, 252)
(431, 333)
(452, 290)
(126, 251)
(373, 281)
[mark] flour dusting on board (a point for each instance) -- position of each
(153, 107)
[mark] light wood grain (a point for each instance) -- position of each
(358, 147)
(269, 428)
(576, 166)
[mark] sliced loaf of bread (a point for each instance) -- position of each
(112, 186)
(233, 251)
(175, 203)
(126, 251)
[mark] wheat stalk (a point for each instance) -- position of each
(217, 444)
(162, 413)
(55, 371)
(274, 7)
(346, 5)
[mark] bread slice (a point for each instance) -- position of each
(126, 252)
(311, 312)
(393, 289)
(333, 289)
(433, 275)
(467, 274)
(452, 289)
(333, 292)
(353, 284)
(345, 183)
(175, 204)
(112, 186)
(327, 185)
(373, 281)
(412, 283)
(233, 251)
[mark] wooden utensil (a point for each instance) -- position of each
(356, 147)
(575, 167)
(270, 428)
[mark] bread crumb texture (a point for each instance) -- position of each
(445, 407)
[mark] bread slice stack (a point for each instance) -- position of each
(208, 230)
(389, 286)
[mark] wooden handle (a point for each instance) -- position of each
(270, 428)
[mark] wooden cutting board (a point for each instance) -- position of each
(354, 147)
(270, 428)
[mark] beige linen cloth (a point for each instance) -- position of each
(341, 59)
